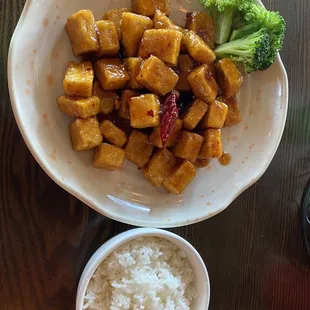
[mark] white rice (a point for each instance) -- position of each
(147, 273)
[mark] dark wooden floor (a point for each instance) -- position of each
(254, 250)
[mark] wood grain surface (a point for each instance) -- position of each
(254, 251)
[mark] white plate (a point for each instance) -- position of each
(38, 58)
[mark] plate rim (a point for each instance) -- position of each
(101, 210)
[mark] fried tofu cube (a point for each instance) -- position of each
(108, 157)
(215, 117)
(133, 66)
(194, 114)
(185, 64)
(144, 111)
(229, 77)
(79, 79)
(162, 43)
(111, 73)
(124, 108)
(234, 115)
(108, 100)
(188, 146)
(139, 148)
(202, 163)
(82, 33)
(112, 133)
(198, 49)
(156, 135)
(161, 21)
(160, 167)
(181, 177)
(132, 32)
(85, 134)
(157, 76)
(78, 106)
(203, 25)
(108, 39)
(116, 16)
(117, 104)
(203, 84)
(149, 7)
(183, 46)
(212, 146)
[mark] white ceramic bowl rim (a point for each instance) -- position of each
(48, 168)
(119, 240)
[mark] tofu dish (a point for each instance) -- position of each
(149, 91)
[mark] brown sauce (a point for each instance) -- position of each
(202, 163)
(225, 160)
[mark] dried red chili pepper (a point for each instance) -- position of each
(170, 114)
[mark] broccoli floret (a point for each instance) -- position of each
(252, 51)
(223, 12)
(255, 17)
(244, 31)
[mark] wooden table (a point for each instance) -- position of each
(254, 251)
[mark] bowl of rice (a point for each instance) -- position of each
(146, 269)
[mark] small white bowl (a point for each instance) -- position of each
(201, 274)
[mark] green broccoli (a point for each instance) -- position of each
(244, 31)
(256, 17)
(223, 12)
(252, 51)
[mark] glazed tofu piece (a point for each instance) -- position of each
(234, 115)
(133, 66)
(198, 49)
(185, 65)
(109, 101)
(156, 135)
(112, 133)
(162, 43)
(188, 146)
(203, 25)
(203, 84)
(139, 149)
(108, 39)
(108, 157)
(181, 177)
(82, 33)
(126, 97)
(183, 46)
(157, 76)
(229, 77)
(212, 146)
(85, 134)
(111, 73)
(215, 117)
(116, 16)
(160, 167)
(149, 7)
(144, 111)
(79, 107)
(194, 114)
(132, 32)
(79, 79)
(161, 21)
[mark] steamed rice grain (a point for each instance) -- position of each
(147, 273)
